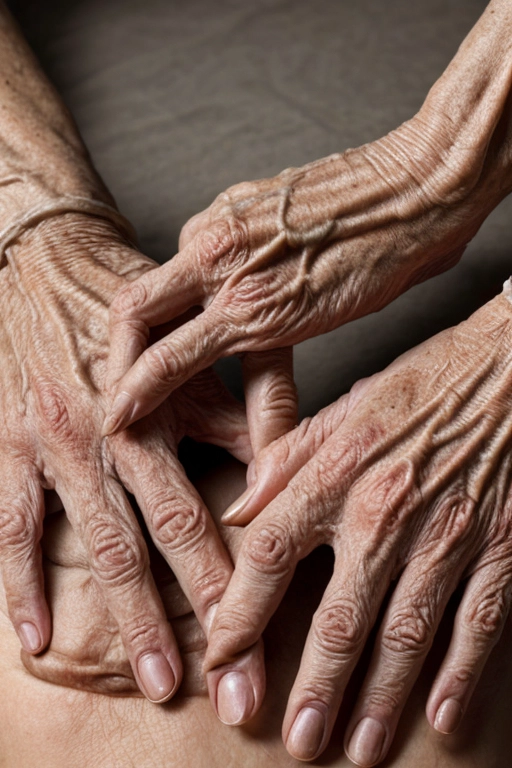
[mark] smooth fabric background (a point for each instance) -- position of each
(178, 100)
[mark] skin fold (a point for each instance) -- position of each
(408, 478)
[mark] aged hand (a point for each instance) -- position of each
(55, 293)
(408, 478)
(277, 261)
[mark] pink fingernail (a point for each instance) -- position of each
(238, 506)
(235, 698)
(306, 734)
(448, 716)
(366, 742)
(120, 414)
(157, 678)
(30, 637)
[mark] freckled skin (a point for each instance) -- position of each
(426, 505)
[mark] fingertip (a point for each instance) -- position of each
(448, 716)
(30, 637)
(234, 513)
(237, 689)
(158, 677)
(121, 414)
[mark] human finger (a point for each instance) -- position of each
(155, 298)
(21, 521)
(166, 365)
(99, 511)
(277, 464)
(335, 641)
(478, 626)
(405, 636)
(183, 531)
(287, 530)
(270, 395)
(209, 413)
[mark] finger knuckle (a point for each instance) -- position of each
(179, 524)
(235, 628)
(339, 629)
(269, 550)
(224, 240)
(486, 617)
(162, 363)
(407, 634)
(129, 301)
(52, 405)
(117, 557)
(141, 632)
(18, 529)
(456, 519)
(390, 496)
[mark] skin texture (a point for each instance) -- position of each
(52, 726)
(58, 277)
(408, 478)
(276, 261)
(55, 295)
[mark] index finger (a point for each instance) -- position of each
(98, 509)
(163, 294)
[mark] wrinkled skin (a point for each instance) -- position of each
(54, 298)
(277, 261)
(408, 478)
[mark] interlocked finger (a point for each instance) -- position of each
(21, 521)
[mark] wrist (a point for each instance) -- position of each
(73, 243)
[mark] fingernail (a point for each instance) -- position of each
(365, 746)
(156, 676)
(306, 734)
(234, 509)
(121, 411)
(30, 637)
(235, 698)
(448, 716)
(210, 615)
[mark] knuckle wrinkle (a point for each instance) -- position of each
(116, 558)
(178, 525)
(408, 633)
(269, 550)
(339, 628)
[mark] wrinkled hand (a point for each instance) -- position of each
(408, 478)
(81, 657)
(277, 261)
(54, 299)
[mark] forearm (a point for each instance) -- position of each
(42, 157)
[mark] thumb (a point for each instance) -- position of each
(273, 468)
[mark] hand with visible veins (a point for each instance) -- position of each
(64, 254)
(409, 479)
(276, 261)
(54, 298)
